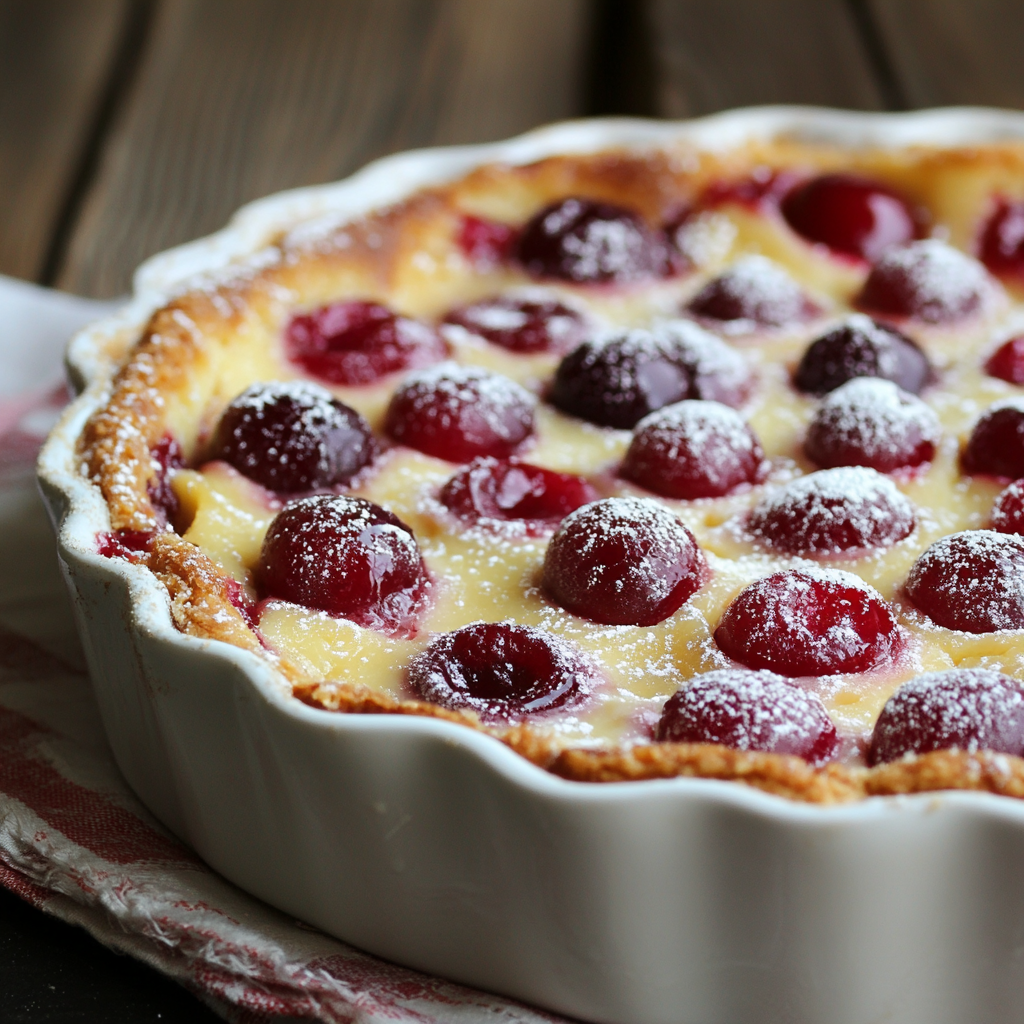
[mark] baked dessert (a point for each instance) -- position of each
(660, 463)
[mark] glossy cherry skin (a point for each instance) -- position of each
(833, 512)
(692, 450)
(1008, 510)
(928, 281)
(292, 436)
(617, 381)
(749, 710)
(972, 581)
(860, 347)
(347, 557)
(871, 422)
(753, 294)
(522, 325)
(352, 343)
(1007, 362)
(494, 491)
(502, 671)
(966, 709)
(459, 413)
(1001, 247)
(586, 242)
(996, 444)
(623, 561)
(808, 622)
(851, 215)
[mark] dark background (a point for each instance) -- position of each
(127, 126)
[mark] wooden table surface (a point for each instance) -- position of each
(127, 126)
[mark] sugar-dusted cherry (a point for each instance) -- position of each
(860, 347)
(485, 243)
(749, 710)
(871, 422)
(354, 343)
(348, 557)
(808, 622)
(996, 444)
(928, 281)
(502, 671)
(522, 324)
(617, 380)
(460, 412)
(587, 242)
(512, 491)
(1007, 362)
(1008, 510)
(847, 510)
(971, 581)
(292, 436)
(966, 709)
(166, 458)
(1001, 246)
(753, 294)
(693, 449)
(850, 214)
(623, 561)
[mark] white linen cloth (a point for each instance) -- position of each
(74, 840)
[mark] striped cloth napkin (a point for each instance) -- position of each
(74, 840)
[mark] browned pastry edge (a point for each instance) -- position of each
(193, 330)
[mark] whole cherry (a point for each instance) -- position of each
(749, 710)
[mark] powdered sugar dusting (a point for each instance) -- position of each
(832, 512)
(873, 422)
(962, 709)
(755, 292)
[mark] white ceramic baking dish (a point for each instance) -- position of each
(434, 846)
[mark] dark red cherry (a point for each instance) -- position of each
(1007, 362)
(996, 444)
(130, 545)
(347, 557)
(167, 458)
(1008, 510)
(616, 381)
(753, 294)
(871, 422)
(693, 450)
(750, 711)
(485, 243)
(587, 242)
(460, 412)
(522, 325)
(502, 671)
(834, 511)
(971, 581)
(506, 490)
(808, 622)
(1001, 246)
(862, 348)
(354, 343)
(292, 436)
(928, 281)
(623, 561)
(965, 709)
(852, 215)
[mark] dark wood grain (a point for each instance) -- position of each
(713, 54)
(239, 98)
(953, 51)
(55, 57)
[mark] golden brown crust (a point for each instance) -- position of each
(189, 337)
